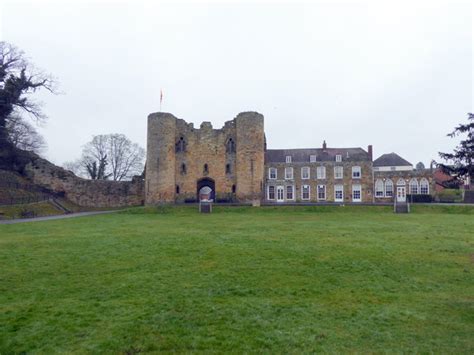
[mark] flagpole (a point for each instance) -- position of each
(161, 98)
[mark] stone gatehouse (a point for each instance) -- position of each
(184, 163)
(182, 159)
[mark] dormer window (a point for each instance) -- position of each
(338, 158)
(180, 145)
(288, 159)
(312, 158)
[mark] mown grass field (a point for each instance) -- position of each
(286, 279)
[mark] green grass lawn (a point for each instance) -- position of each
(286, 279)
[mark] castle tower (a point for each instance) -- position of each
(250, 156)
(160, 159)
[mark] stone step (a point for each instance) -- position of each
(401, 208)
(469, 196)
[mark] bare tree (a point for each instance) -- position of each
(18, 80)
(111, 156)
(75, 167)
(24, 136)
(126, 158)
(94, 158)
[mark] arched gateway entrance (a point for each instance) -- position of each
(206, 189)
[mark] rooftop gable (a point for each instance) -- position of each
(391, 159)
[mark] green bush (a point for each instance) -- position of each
(449, 195)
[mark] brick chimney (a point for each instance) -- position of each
(324, 145)
(369, 150)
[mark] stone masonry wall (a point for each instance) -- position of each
(204, 146)
(250, 157)
(160, 162)
(87, 193)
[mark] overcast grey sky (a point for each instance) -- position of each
(394, 74)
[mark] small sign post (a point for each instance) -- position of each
(205, 206)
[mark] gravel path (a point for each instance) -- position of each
(49, 218)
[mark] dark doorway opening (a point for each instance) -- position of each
(203, 193)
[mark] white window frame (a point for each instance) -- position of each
(389, 182)
(321, 172)
(340, 188)
(292, 192)
(270, 173)
(426, 185)
(320, 188)
(307, 169)
(338, 158)
(379, 188)
(413, 185)
(356, 169)
(303, 187)
(268, 192)
(354, 189)
(288, 159)
(312, 158)
(336, 168)
(281, 189)
(289, 173)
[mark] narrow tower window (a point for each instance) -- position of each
(233, 189)
(227, 169)
(206, 169)
(183, 168)
(230, 146)
(180, 145)
(177, 189)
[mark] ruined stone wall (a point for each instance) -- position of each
(347, 181)
(172, 174)
(88, 193)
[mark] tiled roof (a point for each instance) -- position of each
(303, 155)
(391, 159)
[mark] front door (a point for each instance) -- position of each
(401, 194)
(280, 192)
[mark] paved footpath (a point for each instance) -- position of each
(49, 218)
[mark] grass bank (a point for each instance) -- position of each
(273, 279)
